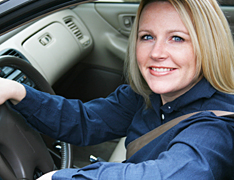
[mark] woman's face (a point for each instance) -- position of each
(164, 51)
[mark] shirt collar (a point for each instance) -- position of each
(202, 89)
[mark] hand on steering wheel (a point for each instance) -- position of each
(22, 150)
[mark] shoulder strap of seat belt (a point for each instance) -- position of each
(140, 142)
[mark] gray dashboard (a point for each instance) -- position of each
(52, 44)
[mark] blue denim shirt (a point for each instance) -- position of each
(200, 147)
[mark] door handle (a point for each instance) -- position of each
(126, 21)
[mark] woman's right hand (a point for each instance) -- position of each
(11, 90)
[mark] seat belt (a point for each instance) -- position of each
(140, 142)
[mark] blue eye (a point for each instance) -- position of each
(146, 37)
(177, 38)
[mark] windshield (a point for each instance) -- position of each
(6, 5)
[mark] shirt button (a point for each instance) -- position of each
(163, 117)
(169, 107)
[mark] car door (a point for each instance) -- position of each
(109, 23)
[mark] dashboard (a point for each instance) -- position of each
(17, 75)
(52, 45)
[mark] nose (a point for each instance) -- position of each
(159, 50)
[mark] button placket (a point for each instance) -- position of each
(166, 110)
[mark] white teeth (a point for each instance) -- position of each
(161, 69)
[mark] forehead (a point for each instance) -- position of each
(157, 8)
(160, 13)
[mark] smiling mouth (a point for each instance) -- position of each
(161, 69)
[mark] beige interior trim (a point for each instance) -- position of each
(119, 154)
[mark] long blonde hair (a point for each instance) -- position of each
(212, 42)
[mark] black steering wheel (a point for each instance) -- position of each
(22, 149)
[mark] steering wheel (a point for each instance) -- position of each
(22, 149)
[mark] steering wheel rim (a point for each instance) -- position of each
(42, 85)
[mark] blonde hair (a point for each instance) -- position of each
(212, 42)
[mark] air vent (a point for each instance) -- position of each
(13, 52)
(74, 28)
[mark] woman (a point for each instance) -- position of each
(180, 60)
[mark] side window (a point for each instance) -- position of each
(119, 1)
(221, 2)
(226, 2)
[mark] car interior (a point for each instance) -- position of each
(78, 52)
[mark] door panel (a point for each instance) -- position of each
(101, 72)
(121, 17)
(105, 34)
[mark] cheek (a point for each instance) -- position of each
(141, 55)
(189, 59)
(190, 63)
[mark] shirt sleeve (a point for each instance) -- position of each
(201, 149)
(79, 123)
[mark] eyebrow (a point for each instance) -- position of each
(178, 30)
(169, 31)
(143, 30)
